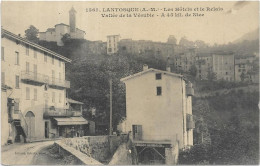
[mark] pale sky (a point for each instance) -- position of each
(236, 19)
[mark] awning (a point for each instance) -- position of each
(71, 121)
(74, 101)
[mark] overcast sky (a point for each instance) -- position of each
(236, 19)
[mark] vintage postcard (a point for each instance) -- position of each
(129, 83)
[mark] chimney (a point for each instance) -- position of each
(145, 67)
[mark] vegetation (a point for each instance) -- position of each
(227, 130)
(31, 34)
(232, 125)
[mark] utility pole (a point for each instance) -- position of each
(110, 124)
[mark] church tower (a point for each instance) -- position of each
(72, 14)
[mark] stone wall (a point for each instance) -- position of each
(100, 148)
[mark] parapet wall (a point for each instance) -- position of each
(100, 148)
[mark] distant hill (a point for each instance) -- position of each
(253, 35)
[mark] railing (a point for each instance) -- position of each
(35, 77)
(189, 90)
(59, 82)
(56, 112)
(44, 79)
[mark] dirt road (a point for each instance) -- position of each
(22, 154)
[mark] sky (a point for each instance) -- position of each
(236, 19)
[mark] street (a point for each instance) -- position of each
(22, 154)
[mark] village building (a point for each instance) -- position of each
(112, 44)
(184, 60)
(224, 66)
(55, 34)
(34, 104)
(204, 64)
(244, 68)
(158, 114)
(142, 47)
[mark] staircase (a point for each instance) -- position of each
(19, 131)
(21, 128)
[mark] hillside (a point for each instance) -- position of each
(227, 121)
(254, 35)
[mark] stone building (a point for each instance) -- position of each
(184, 60)
(33, 91)
(204, 64)
(224, 66)
(244, 68)
(55, 34)
(112, 44)
(140, 47)
(159, 114)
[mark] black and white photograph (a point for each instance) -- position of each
(130, 83)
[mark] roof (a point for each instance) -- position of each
(61, 24)
(74, 101)
(150, 70)
(71, 121)
(16, 37)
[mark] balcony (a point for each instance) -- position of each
(59, 83)
(189, 90)
(40, 79)
(34, 78)
(190, 122)
(56, 112)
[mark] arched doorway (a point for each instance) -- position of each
(30, 120)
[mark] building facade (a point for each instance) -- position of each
(204, 64)
(184, 60)
(140, 47)
(112, 44)
(224, 66)
(55, 34)
(243, 68)
(35, 77)
(159, 112)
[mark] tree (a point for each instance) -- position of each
(172, 40)
(31, 34)
(211, 76)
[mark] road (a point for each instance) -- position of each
(22, 154)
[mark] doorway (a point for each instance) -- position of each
(30, 119)
(46, 129)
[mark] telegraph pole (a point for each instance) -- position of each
(110, 124)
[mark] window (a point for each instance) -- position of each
(27, 93)
(158, 76)
(60, 98)
(53, 97)
(59, 77)
(16, 106)
(52, 59)
(35, 71)
(2, 53)
(53, 76)
(226, 73)
(27, 67)
(159, 91)
(45, 57)
(3, 78)
(17, 58)
(35, 53)
(35, 94)
(17, 81)
(27, 50)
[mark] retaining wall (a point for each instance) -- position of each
(100, 148)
